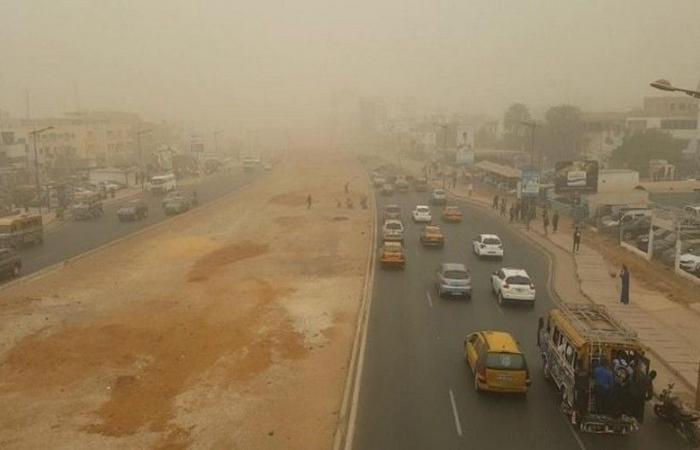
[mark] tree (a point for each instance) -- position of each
(562, 135)
(515, 136)
(486, 138)
(638, 148)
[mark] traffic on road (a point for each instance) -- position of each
(468, 348)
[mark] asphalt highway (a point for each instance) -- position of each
(76, 237)
(416, 390)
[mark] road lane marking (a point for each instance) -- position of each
(430, 299)
(455, 414)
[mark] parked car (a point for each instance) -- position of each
(387, 189)
(497, 362)
(378, 181)
(642, 240)
(392, 230)
(690, 262)
(513, 284)
(432, 236)
(135, 210)
(422, 214)
(633, 230)
(177, 205)
(691, 214)
(488, 245)
(10, 262)
(392, 212)
(668, 256)
(453, 279)
(439, 197)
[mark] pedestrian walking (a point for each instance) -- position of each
(503, 207)
(512, 213)
(347, 188)
(308, 201)
(494, 203)
(625, 287)
(555, 221)
(545, 223)
(470, 188)
(577, 240)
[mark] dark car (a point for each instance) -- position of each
(177, 205)
(392, 212)
(634, 230)
(133, 211)
(10, 262)
(643, 239)
(453, 279)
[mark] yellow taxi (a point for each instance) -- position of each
(432, 236)
(497, 362)
(451, 214)
(391, 255)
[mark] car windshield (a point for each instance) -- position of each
(423, 210)
(518, 279)
(456, 274)
(505, 361)
(492, 241)
(392, 209)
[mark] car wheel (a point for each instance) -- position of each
(16, 270)
(500, 298)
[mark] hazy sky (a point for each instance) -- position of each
(226, 63)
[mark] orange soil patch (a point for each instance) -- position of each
(224, 256)
(290, 199)
(159, 355)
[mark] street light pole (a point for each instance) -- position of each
(532, 125)
(142, 175)
(216, 141)
(36, 165)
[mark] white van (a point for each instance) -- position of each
(161, 184)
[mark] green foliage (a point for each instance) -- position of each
(563, 136)
(638, 148)
(515, 136)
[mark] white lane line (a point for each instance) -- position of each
(430, 299)
(455, 414)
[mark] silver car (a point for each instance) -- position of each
(453, 279)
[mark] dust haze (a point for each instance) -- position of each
(236, 65)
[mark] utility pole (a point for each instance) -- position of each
(216, 141)
(532, 125)
(36, 164)
(142, 175)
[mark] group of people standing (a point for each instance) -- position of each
(524, 211)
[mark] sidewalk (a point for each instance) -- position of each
(670, 330)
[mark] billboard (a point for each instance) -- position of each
(529, 181)
(576, 176)
(465, 146)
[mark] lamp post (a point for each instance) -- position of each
(216, 141)
(142, 175)
(36, 164)
(532, 125)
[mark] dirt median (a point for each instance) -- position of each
(229, 327)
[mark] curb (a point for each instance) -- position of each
(552, 290)
(347, 415)
(47, 270)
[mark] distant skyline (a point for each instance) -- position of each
(235, 66)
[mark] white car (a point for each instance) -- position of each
(439, 197)
(488, 245)
(513, 284)
(422, 214)
(690, 262)
(392, 230)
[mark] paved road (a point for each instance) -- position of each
(76, 237)
(414, 366)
